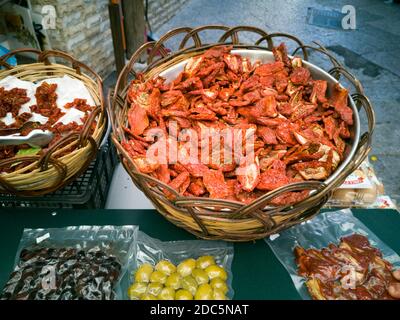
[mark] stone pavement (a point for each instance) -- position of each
(370, 52)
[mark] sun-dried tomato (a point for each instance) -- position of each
(12, 100)
(299, 132)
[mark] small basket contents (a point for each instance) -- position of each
(56, 105)
(52, 120)
(85, 262)
(336, 257)
(180, 270)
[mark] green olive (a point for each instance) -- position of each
(190, 284)
(218, 283)
(204, 292)
(215, 271)
(200, 276)
(204, 261)
(143, 273)
(183, 294)
(166, 294)
(147, 296)
(186, 267)
(154, 288)
(174, 281)
(218, 294)
(158, 276)
(136, 290)
(165, 266)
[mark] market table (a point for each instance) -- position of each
(257, 274)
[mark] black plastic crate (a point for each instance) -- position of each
(89, 191)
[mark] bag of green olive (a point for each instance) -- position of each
(180, 270)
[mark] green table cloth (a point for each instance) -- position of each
(257, 274)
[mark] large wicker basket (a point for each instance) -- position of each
(222, 219)
(48, 172)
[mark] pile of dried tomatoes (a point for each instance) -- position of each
(299, 133)
(46, 105)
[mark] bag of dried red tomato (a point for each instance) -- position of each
(334, 256)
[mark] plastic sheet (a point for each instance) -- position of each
(326, 228)
(152, 250)
(84, 262)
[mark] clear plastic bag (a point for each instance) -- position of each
(152, 250)
(361, 189)
(58, 253)
(326, 228)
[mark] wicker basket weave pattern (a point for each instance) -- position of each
(223, 219)
(48, 172)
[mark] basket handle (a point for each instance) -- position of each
(82, 137)
(262, 201)
(320, 49)
(366, 104)
(364, 145)
(85, 132)
(43, 161)
(58, 165)
(233, 33)
(44, 55)
(3, 58)
(202, 28)
(339, 70)
(285, 35)
(122, 80)
(160, 43)
(114, 112)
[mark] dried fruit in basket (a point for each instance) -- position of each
(12, 100)
(272, 123)
(46, 109)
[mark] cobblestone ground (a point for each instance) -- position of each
(370, 52)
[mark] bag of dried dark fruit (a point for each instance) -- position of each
(72, 263)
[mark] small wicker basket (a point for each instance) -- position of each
(48, 172)
(222, 219)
